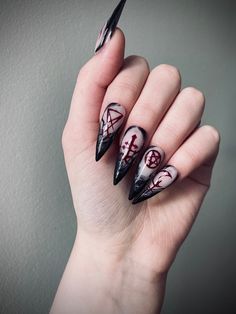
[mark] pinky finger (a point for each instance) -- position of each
(195, 157)
(200, 149)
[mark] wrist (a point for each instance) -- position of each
(98, 280)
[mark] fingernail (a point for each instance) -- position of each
(150, 162)
(131, 145)
(109, 27)
(111, 121)
(158, 183)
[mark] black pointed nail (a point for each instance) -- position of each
(130, 147)
(111, 121)
(150, 162)
(109, 27)
(164, 178)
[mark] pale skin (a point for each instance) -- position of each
(123, 252)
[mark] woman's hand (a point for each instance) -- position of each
(122, 251)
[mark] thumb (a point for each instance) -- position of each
(92, 82)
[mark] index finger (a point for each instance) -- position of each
(92, 82)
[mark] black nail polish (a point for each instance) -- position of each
(130, 147)
(164, 178)
(109, 27)
(151, 160)
(111, 121)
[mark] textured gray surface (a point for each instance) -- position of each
(42, 46)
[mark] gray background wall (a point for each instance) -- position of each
(42, 46)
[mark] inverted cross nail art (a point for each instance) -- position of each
(158, 183)
(131, 145)
(150, 162)
(109, 27)
(111, 121)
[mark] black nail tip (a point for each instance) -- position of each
(139, 197)
(118, 176)
(103, 146)
(98, 48)
(101, 150)
(131, 196)
(98, 156)
(137, 187)
(114, 19)
(111, 24)
(137, 200)
(119, 172)
(142, 197)
(133, 192)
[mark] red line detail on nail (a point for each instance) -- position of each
(153, 186)
(109, 129)
(152, 159)
(132, 149)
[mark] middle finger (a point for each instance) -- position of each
(162, 86)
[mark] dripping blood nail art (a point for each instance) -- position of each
(109, 27)
(158, 183)
(131, 145)
(151, 160)
(111, 121)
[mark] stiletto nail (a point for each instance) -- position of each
(131, 145)
(150, 162)
(158, 183)
(111, 121)
(109, 27)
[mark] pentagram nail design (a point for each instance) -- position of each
(158, 183)
(150, 162)
(111, 121)
(131, 145)
(109, 27)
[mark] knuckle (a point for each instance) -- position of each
(195, 97)
(168, 129)
(138, 61)
(145, 118)
(141, 60)
(213, 132)
(125, 85)
(169, 71)
(195, 93)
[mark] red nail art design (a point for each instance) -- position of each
(153, 158)
(158, 183)
(131, 145)
(111, 121)
(150, 162)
